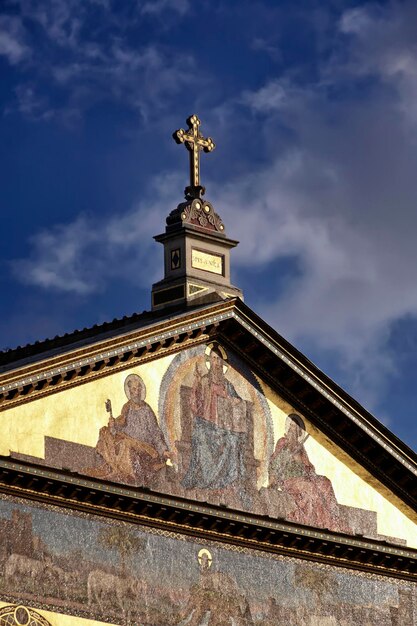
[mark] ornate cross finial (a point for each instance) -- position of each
(194, 142)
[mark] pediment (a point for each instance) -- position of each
(199, 413)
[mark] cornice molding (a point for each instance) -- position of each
(153, 341)
(148, 508)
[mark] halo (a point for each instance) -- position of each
(142, 384)
(293, 417)
(222, 351)
(206, 552)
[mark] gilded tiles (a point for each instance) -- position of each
(95, 569)
(20, 615)
(201, 425)
(23, 615)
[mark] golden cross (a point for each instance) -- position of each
(194, 142)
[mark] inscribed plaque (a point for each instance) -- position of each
(206, 261)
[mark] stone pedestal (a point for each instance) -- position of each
(196, 258)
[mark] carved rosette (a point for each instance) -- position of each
(199, 213)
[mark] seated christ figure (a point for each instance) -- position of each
(219, 436)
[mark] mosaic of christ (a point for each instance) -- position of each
(217, 423)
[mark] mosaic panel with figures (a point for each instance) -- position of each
(201, 425)
(109, 571)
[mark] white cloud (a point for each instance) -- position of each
(31, 104)
(143, 79)
(12, 40)
(156, 7)
(90, 59)
(61, 19)
(270, 97)
(382, 43)
(81, 257)
(57, 260)
(261, 44)
(338, 198)
(356, 21)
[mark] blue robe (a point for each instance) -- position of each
(217, 454)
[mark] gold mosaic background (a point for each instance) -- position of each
(77, 415)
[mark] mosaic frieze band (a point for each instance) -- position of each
(120, 573)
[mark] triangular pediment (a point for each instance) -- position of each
(208, 406)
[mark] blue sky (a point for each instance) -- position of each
(312, 105)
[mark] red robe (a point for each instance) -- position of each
(315, 502)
